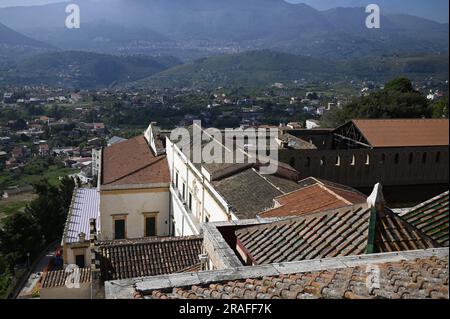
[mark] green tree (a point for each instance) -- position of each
(440, 108)
(397, 100)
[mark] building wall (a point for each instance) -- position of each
(134, 204)
(206, 205)
(72, 250)
(391, 167)
(84, 292)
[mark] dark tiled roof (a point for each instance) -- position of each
(57, 278)
(314, 196)
(431, 217)
(340, 232)
(408, 279)
(249, 192)
(132, 162)
(151, 257)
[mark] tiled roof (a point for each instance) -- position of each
(340, 232)
(405, 132)
(132, 162)
(148, 257)
(249, 192)
(57, 278)
(85, 206)
(408, 279)
(315, 195)
(431, 217)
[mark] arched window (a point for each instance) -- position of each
(322, 161)
(424, 158)
(353, 162)
(411, 158)
(438, 157)
(383, 159)
(338, 160)
(308, 162)
(397, 158)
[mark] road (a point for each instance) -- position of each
(27, 289)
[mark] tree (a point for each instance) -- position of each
(20, 235)
(397, 100)
(440, 108)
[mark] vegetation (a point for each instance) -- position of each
(263, 68)
(398, 99)
(28, 232)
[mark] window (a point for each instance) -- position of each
(338, 160)
(383, 159)
(397, 159)
(79, 261)
(368, 160)
(322, 161)
(184, 191)
(190, 202)
(353, 162)
(119, 229)
(206, 218)
(176, 180)
(424, 158)
(308, 162)
(411, 158)
(150, 226)
(438, 157)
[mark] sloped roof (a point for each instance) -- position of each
(314, 196)
(148, 257)
(57, 278)
(337, 278)
(85, 206)
(132, 163)
(404, 132)
(341, 232)
(432, 218)
(249, 192)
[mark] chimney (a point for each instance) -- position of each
(376, 204)
(81, 237)
(376, 199)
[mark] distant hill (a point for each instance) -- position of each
(262, 68)
(14, 45)
(197, 28)
(83, 69)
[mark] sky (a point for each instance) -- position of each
(437, 10)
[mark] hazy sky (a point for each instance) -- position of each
(433, 9)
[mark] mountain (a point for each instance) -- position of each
(14, 45)
(434, 10)
(263, 68)
(75, 69)
(197, 28)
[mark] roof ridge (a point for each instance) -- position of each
(423, 204)
(333, 193)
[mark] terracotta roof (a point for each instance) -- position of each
(341, 232)
(132, 162)
(431, 217)
(405, 132)
(425, 278)
(148, 257)
(315, 195)
(57, 278)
